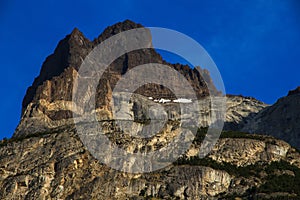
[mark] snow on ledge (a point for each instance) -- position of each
(164, 100)
(181, 100)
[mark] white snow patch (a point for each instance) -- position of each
(181, 100)
(164, 100)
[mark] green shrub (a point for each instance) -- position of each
(230, 168)
(201, 133)
(284, 182)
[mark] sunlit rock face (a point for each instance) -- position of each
(56, 165)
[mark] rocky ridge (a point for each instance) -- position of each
(279, 120)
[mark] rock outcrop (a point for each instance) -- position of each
(280, 120)
(239, 108)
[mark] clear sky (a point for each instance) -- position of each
(255, 43)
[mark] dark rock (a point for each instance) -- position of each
(295, 91)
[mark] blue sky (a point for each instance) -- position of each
(255, 43)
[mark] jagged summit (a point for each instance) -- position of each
(117, 28)
(70, 52)
(75, 32)
(55, 81)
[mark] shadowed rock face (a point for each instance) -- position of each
(280, 120)
(69, 52)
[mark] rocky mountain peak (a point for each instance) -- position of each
(54, 84)
(117, 28)
(70, 51)
(75, 32)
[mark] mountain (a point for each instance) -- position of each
(280, 120)
(47, 158)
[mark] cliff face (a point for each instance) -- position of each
(57, 166)
(280, 120)
(45, 159)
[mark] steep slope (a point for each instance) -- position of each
(280, 120)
